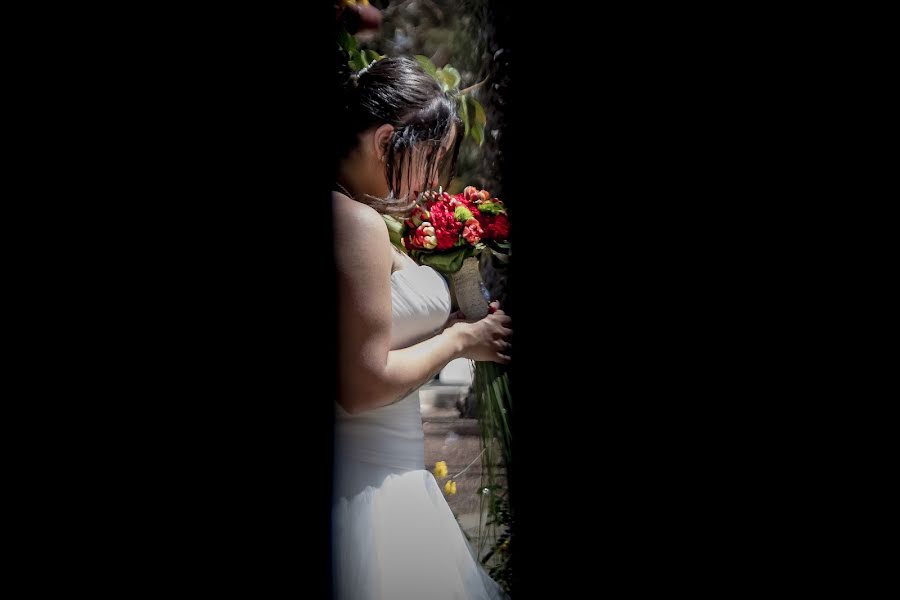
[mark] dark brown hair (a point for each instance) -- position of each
(398, 92)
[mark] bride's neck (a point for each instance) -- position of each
(351, 178)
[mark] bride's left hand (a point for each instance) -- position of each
(459, 317)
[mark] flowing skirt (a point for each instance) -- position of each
(399, 540)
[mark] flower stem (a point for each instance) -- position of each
(470, 464)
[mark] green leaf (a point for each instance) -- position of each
(490, 208)
(480, 117)
(478, 133)
(464, 113)
(427, 65)
(446, 262)
(347, 41)
(504, 248)
(395, 229)
(373, 56)
(503, 258)
(357, 61)
(451, 76)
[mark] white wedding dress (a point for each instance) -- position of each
(395, 537)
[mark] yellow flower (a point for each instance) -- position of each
(440, 469)
(450, 487)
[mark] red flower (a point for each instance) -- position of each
(472, 231)
(446, 240)
(418, 215)
(446, 227)
(500, 228)
(461, 200)
(496, 227)
(422, 238)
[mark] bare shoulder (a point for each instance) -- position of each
(361, 236)
(355, 217)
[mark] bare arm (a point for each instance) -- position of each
(371, 374)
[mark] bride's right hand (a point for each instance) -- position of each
(486, 339)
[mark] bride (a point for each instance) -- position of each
(394, 535)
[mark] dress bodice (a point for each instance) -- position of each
(390, 437)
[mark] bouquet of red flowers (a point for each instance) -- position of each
(444, 230)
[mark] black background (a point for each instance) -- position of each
(654, 445)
